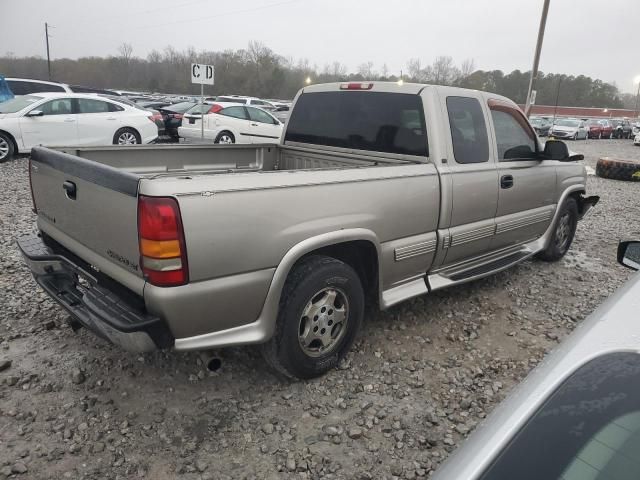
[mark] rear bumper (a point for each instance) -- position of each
(114, 314)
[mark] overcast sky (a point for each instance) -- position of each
(591, 37)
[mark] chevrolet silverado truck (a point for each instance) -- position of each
(377, 192)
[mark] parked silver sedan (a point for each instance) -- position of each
(569, 128)
(577, 415)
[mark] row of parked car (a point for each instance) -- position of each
(56, 114)
(582, 129)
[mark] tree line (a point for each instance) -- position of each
(259, 71)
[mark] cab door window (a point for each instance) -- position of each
(515, 138)
(468, 130)
(60, 106)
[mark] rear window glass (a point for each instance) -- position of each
(231, 100)
(372, 121)
(179, 107)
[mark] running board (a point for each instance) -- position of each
(475, 270)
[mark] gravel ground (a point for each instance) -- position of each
(420, 378)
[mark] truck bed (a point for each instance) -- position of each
(149, 161)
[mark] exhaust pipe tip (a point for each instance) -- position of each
(214, 364)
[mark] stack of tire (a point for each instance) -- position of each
(615, 169)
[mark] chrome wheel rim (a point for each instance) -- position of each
(563, 231)
(127, 138)
(225, 139)
(4, 148)
(323, 322)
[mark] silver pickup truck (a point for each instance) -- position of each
(377, 192)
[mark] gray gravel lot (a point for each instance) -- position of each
(420, 378)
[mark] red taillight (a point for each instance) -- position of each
(151, 118)
(356, 86)
(215, 108)
(163, 254)
(33, 197)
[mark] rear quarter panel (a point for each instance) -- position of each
(248, 221)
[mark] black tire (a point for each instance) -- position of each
(131, 134)
(564, 229)
(311, 278)
(225, 137)
(626, 170)
(7, 148)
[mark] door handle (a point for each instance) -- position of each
(254, 124)
(111, 118)
(70, 189)
(69, 120)
(506, 181)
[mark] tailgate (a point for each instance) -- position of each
(91, 209)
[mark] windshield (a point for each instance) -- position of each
(16, 104)
(567, 123)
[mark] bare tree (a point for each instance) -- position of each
(125, 50)
(467, 67)
(366, 70)
(444, 72)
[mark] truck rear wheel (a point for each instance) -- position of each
(563, 231)
(321, 310)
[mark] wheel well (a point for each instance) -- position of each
(361, 255)
(13, 140)
(577, 196)
(135, 130)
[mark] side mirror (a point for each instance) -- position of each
(558, 150)
(35, 113)
(629, 254)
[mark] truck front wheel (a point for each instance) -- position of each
(321, 310)
(563, 232)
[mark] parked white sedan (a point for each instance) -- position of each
(70, 119)
(231, 123)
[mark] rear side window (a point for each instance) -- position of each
(589, 429)
(86, 105)
(468, 130)
(235, 112)
(258, 115)
(19, 87)
(372, 121)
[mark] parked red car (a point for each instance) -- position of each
(607, 128)
(594, 129)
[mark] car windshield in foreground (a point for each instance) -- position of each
(373, 121)
(567, 123)
(589, 428)
(16, 104)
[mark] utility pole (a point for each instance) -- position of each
(536, 58)
(557, 97)
(46, 33)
